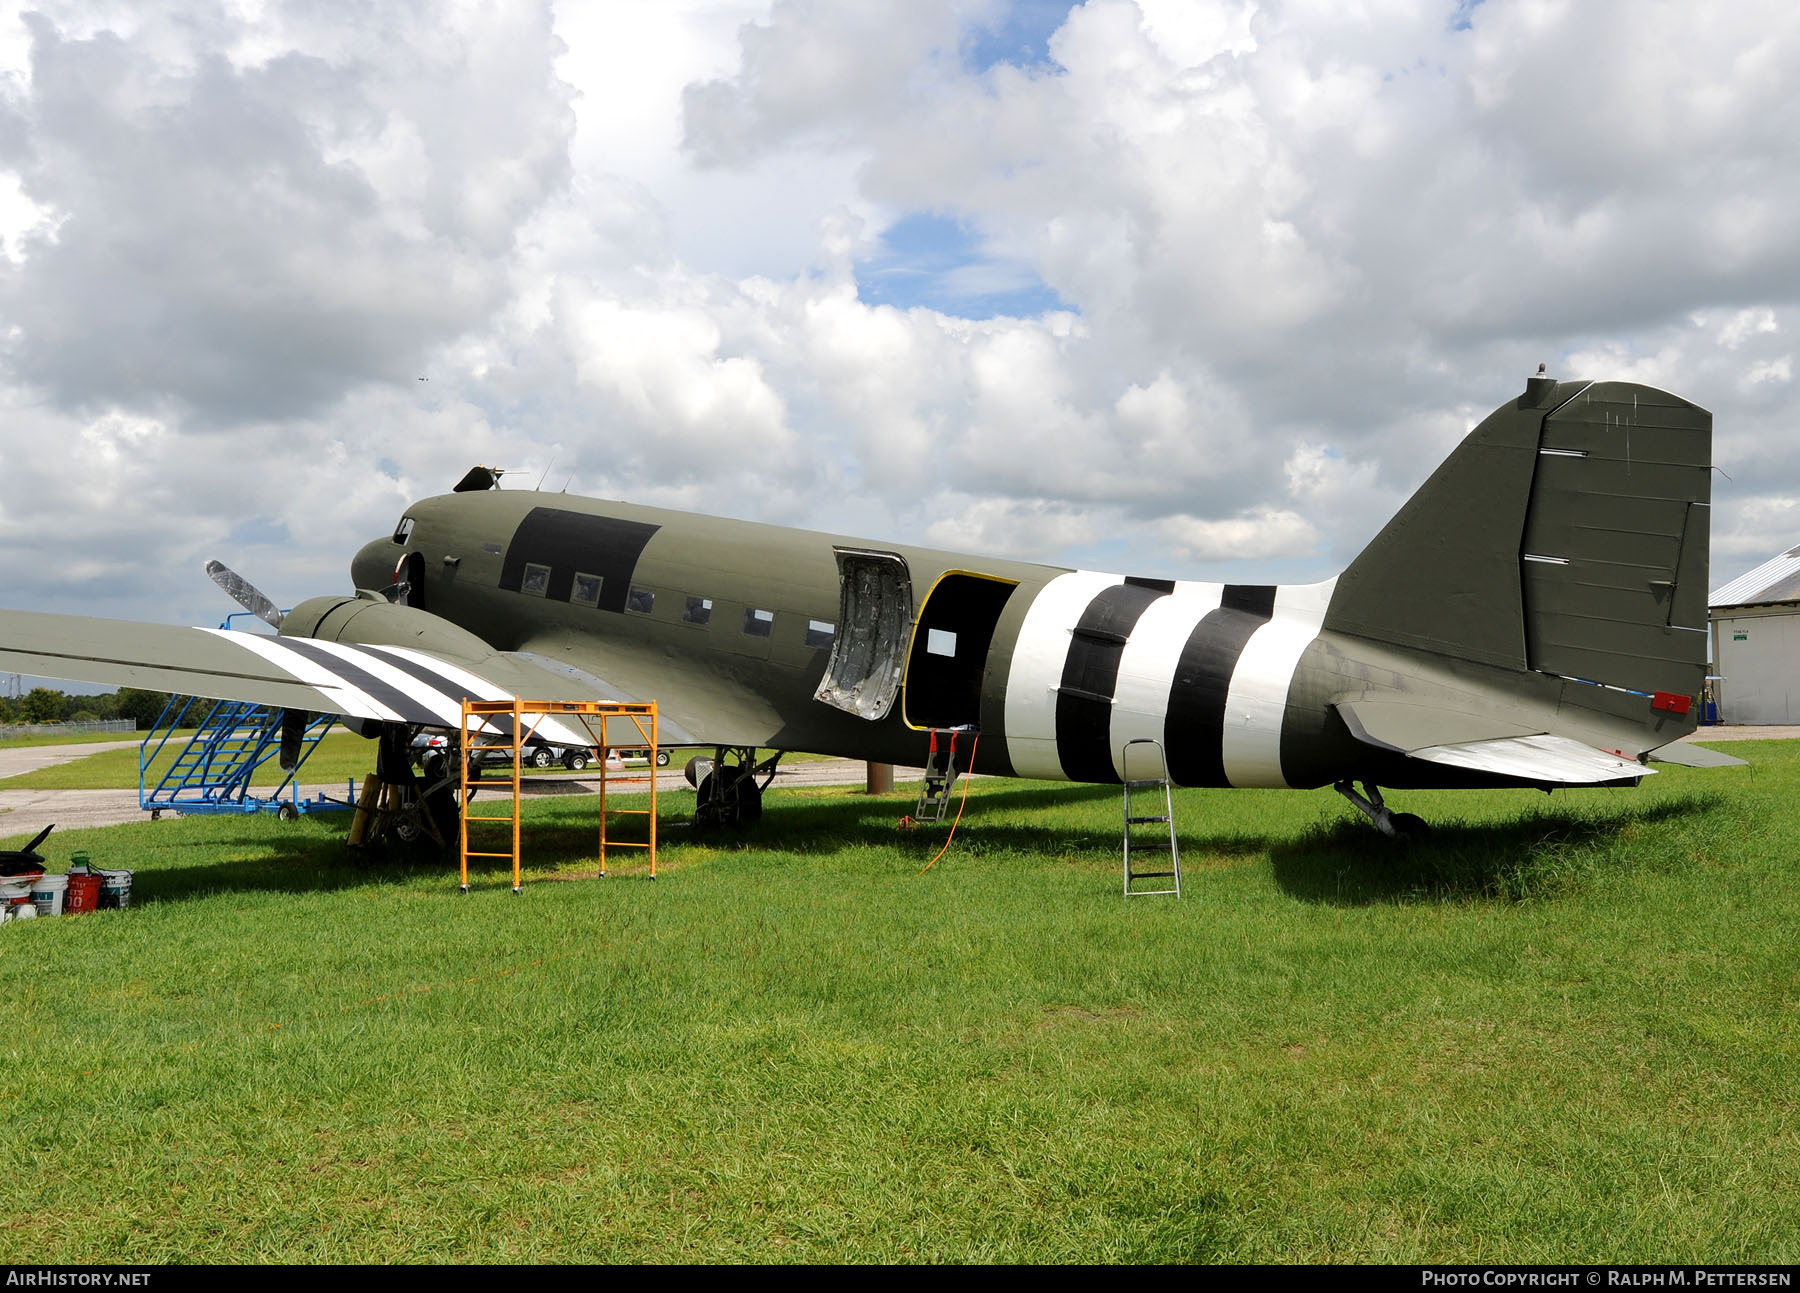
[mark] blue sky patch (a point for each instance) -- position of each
(1020, 36)
(940, 263)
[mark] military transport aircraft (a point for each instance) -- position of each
(1534, 616)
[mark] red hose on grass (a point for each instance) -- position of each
(963, 803)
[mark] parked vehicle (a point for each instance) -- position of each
(572, 757)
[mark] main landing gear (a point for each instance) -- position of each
(404, 805)
(729, 793)
(1390, 823)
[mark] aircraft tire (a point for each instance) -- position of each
(1410, 826)
(749, 802)
(746, 812)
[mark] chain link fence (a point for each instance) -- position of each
(10, 730)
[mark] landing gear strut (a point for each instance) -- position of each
(405, 805)
(729, 794)
(1390, 823)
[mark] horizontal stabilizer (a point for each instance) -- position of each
(1398, 725)
(1690, 755)
(1541, 759)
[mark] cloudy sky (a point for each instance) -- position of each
(1168, 286)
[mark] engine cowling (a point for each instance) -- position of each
(366, 619)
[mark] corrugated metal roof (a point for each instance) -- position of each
(1776, 580)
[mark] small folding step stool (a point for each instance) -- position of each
(1167, 816)
(940, 774)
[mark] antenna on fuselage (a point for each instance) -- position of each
(547, 467)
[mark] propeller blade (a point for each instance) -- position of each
(244, 593)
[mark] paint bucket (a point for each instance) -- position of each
(47, 893)
(115, 890)
(82, 893)
(15, 894)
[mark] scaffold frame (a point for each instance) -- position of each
(526, 717)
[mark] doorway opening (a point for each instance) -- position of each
(948, 658)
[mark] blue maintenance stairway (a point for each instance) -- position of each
(212, 769)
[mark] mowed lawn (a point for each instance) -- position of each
(1559, 1030)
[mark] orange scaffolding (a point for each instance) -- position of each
(479, 718)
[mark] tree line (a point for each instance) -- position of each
(47, 705)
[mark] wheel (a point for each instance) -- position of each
(1410, 826)
(287, 813)
(575, 760)
(540, 757)
(749, 802)
(474, 770)
(662, 758)
(712, 809)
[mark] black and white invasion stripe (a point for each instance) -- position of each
(1202, 668)
(389, 683)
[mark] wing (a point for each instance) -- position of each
(694, 706)
(365, 681)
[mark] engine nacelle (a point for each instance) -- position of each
(366, 619)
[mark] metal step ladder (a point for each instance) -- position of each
(1152, 843)
(211, 771)
(940, 774)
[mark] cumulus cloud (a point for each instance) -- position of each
(1298, 249)
(1261, 535)
(245, 240)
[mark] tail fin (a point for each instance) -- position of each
(1566, 535)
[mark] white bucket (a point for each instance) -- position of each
(47, 894)
(115, 890)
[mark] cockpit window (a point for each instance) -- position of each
(403, 531)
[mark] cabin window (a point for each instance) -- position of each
(403, 531)
(640, 600)
(699, 611)
(536, 580)
(940, 642)
(758, 624)
(585, 591)
(819, 634)
(492, 549)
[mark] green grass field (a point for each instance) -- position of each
(1558, 1030)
